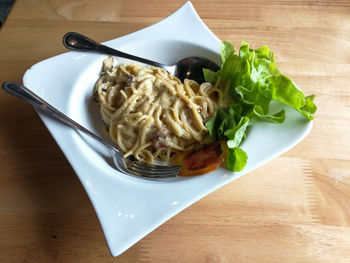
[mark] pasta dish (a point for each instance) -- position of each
(150, 114)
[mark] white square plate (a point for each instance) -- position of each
(129, 208)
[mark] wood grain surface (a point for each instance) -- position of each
(296, 208)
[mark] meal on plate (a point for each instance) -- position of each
(152, 116)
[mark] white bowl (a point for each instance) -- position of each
(129, 208)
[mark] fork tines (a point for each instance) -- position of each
(151, 170)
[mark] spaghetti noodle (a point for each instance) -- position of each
(150, 113)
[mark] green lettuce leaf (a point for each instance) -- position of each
(237, 134)
(236, 159)
(251, 80)
(224, 119)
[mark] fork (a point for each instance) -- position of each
(128, 165)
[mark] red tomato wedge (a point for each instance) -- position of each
(205, 160)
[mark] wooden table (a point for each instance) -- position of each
(294, 209)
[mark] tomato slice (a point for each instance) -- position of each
(205, 160)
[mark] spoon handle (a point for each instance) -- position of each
(26, 95)
(76, 41)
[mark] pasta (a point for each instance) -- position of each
(150, 114)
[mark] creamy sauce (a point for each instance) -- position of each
(151, 114)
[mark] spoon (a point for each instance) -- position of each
(190, 67)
